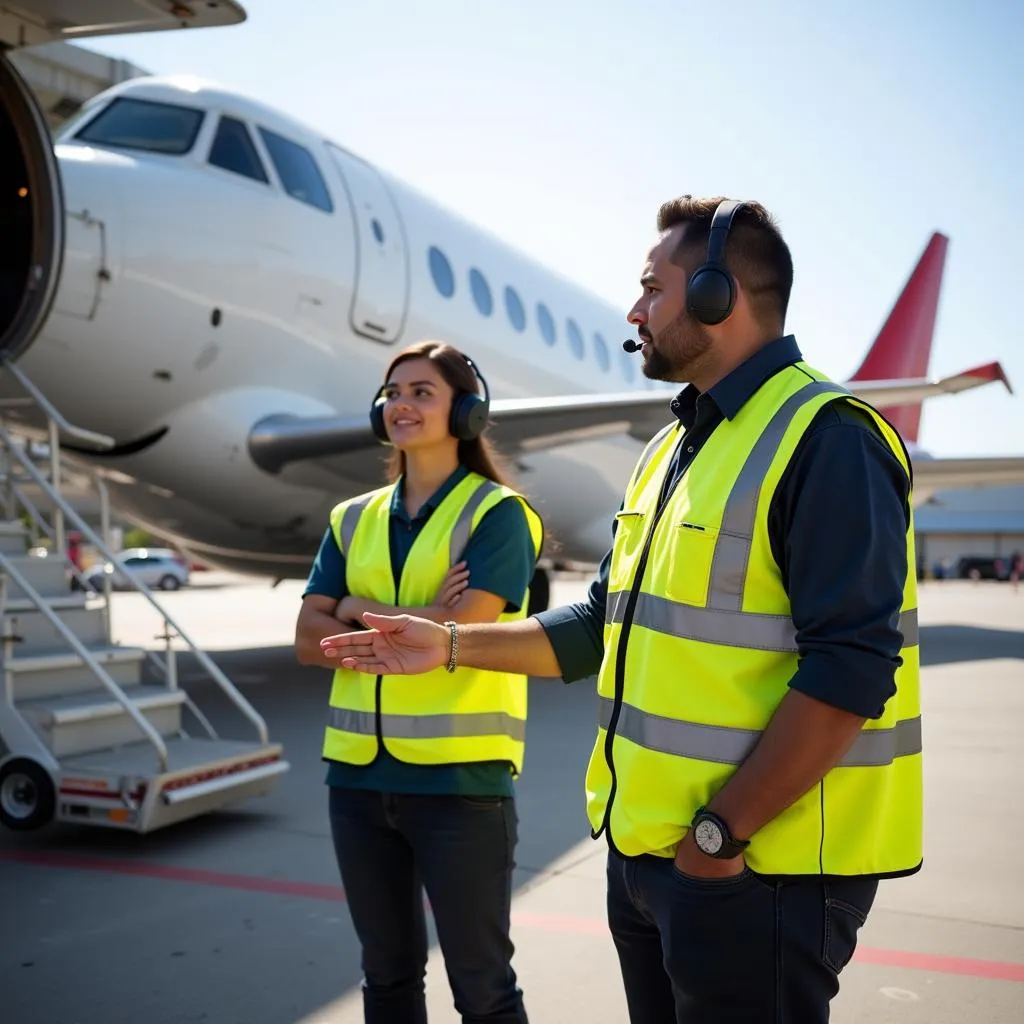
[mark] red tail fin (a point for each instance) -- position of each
(903, 347)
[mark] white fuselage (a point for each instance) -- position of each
(201, 301)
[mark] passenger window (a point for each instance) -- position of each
(602, 352)
(514, 307)
(441, 272)
(297, 170)
(547, 324)
(143, 124)
(233, 150)
(481, 292)
(575, 338)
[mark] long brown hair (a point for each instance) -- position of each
(477, 455)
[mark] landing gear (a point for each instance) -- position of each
(28, 798)
(540, 592)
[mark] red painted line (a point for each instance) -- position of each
(167, 873)
(996, 970)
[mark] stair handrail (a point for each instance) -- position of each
(101, 441)
(40, 520)
(203, 658)
(87, 656)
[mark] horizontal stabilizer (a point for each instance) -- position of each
(885, 394)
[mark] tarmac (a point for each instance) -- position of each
(239, 918)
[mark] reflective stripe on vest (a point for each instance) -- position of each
(459, 536)
(429, 727)
(736, 535)
(730, 629)
(872, 748)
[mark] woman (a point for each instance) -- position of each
(420, 768)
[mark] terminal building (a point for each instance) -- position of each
(63, 76)
(956, 530)
(977, 529)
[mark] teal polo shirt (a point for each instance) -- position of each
(500, 559)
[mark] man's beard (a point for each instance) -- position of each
(677, 350)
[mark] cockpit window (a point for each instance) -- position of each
(297, 170)
(233, 150)
(143, 124)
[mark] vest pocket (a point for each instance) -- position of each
(628, 543)
(688, 561)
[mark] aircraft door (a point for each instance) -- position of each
(84, 270)
(381, 291)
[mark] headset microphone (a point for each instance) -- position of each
(631, 346)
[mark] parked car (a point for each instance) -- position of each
(159, 568)
(983, 567)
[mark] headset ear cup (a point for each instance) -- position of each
(469, 417)
(710, 295)
(377, 420)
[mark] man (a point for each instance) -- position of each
(758, 761)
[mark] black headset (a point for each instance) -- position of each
(711, 290)
(468, 416)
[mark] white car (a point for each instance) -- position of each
(158, 568)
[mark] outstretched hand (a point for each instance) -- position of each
(393, 645)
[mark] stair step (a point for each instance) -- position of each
(77, 599)
(97, 704)
(84, 723)
(63, 673)
(202, 775)
(49, 575)
(13, 537)
(40, 636)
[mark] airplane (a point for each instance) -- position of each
(218, 288)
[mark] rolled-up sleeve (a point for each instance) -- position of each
(838, 526)
(576, 631)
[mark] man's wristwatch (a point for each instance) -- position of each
(713, 837)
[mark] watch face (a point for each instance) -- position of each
(709, 837)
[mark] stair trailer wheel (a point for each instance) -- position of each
(28, 797)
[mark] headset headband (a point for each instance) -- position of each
(721, 224)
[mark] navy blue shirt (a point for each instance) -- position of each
(837, 525)
(500, 558)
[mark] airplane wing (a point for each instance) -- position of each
(519, 425)
(523, 425)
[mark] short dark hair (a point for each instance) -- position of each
(755, 252)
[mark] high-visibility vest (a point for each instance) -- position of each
(439, 717)
(700, 646)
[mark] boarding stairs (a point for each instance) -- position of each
(85, 735)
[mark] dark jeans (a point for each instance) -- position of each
(392, 846)
(743, 950)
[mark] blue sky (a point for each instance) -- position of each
(561, 125)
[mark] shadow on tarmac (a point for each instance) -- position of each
(944, 645)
